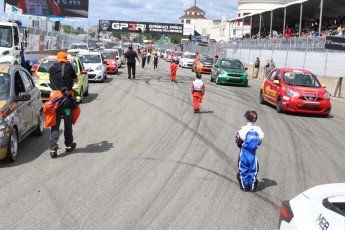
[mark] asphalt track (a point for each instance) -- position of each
(144, 160)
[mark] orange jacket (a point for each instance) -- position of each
(50, 107)
(173, 67)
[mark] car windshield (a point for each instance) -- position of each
(231, 65)
(5, 80)
(5, 36)
(82, 47)
(90, 58)
(190, 56)
(206, 59)
(178, 54)
(301, 79)
(108, 55)
(46, 64)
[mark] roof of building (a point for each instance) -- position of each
(194, 9)
(190, 16)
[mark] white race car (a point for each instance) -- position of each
(321, 207)
(187, 60)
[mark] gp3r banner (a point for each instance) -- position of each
(335, 43)
(140, 27)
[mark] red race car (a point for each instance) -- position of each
(292, 90)
(110, 59)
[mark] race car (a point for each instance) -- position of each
(229, 71)
(294, 90)
(320, 207)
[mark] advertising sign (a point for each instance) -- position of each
(335, 43)
(48, 8)
(140, 27)
(188, 29)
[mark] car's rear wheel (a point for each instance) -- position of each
(39, 130)
(261, 98)
(279, 105)
(12, 147)
(193, 68)
(87, 91)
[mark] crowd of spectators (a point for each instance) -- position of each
(335, 27)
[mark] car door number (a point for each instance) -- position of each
(322, 222)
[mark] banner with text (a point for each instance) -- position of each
(140, 27)
(335, 43)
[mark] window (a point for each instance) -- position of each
(27, 82)
(246, 23)
(188, 21)
(18, 84)
(182, 21)
(272, 75)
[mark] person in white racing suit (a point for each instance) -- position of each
(248, 139)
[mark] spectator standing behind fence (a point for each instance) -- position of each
(256, 67)
(272, 65)
(266, 67)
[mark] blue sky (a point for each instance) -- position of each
(167, 11)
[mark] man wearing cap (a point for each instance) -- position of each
(62, 77)
(248, 139)
(256, 67)
(130, 57)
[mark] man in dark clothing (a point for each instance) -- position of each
(130, 57)
(256, 67)
(62, 77)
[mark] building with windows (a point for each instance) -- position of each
(211, 28)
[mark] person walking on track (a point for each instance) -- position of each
(130, 57)
(198, 91)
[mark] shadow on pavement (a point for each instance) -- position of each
(100, 147)
(265, 183)
(91, 97)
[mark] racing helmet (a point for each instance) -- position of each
(251, 116)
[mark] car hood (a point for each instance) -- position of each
(2, 103)
(303, 89)
(237, 71)
(42, 76)
(91, 65)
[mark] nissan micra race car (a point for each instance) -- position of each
(292, 90)
(320, 207)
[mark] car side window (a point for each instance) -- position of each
(81, 66)
(278, 75)
(18, 84)
(272, 75)
(27, 82)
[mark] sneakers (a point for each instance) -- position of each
(70, 148)
(53, 153)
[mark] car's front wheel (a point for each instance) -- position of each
(261, 98)
(217, 81)
(279, 105)
(12, 147)
(87, 91)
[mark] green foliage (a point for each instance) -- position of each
(70, 30)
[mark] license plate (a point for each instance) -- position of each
(311, 106)
(309, 94)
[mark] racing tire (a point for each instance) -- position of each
(40, 128)
(217, 81)
(87, 91)
(12, 147)
(279, 105)
(192, 68)
(261, 98)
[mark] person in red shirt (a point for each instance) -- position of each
(173, 70)
(198, 91)
(39, 7)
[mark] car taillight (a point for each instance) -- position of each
(286, 213)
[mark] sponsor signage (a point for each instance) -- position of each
(335, 43)
(140, 27)
(48, 8)
(188, 29)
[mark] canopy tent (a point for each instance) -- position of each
(295, 12)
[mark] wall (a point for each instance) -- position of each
(328, 66)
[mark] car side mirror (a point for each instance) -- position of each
(245, 68)
(23, 96)
(117, 58)
(323, 85)
(33, 69)
(276, 82)
(84, 71)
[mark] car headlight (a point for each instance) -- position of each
(290, 92)
(113, 62)
(99, 67)
(326, 95)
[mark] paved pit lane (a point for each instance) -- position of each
(144, 160)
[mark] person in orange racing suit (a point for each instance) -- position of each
(248, 139)
(173, 70)
(39, 7)
(198, 91)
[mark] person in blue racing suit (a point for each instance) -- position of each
(248, 139)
